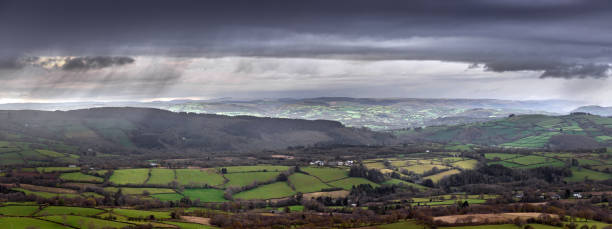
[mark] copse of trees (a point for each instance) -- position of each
(371, 174)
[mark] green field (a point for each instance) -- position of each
(197, 177)
(61, 210)
(269, 191)
(501, 156)
(84, 222)
(304, 183)
(348, 183)
(422, 168)
(50, 153)
(129, 176)
(505, 163)
(139, 191)
(18, 210)
(579, 174)
(205, 194)
(530, 160)
(80, 177)
(326, 174)
(466, 164)
(161, 176)
(140, 213)
(168, 196)
(56, 169)
(257, 168)
(244, 179)
(28, 223)
(437, 177)
(402, 225)
(46, 194)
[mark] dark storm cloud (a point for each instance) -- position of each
(96, 62)
(561, 38)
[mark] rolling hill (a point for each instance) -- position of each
(576, 131)
(374, 113)
(124, 129)
(596, 110)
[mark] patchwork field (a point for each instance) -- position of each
(28, 223)
(161, 176)
(348, 183)
(256, 168)
(246, 178)
(198, 177)
(304, 183)
(205, 195)
(81, 177)
(326, 174)
(269, 191)
(61, 210)
(18, 210)
(129, 176)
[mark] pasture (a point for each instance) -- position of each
(269, 191)
(256, 168)
(304, 183)
(139, 191)
(80, 177)
(129, 176)
(437, 177)
(326, 174)
(84, 222)
(581, 174)
(28, 223)
(18, 210)
(244, 179)
(161, 176)
(56, 169)
(168, 196)
(140, 213)
(198, 177)
(348, 183)
(62, 210)
(205, 194)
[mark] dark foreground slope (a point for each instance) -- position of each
(577, 131)
(142, 128)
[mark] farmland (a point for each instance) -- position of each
(326, 174)
(305, 183)
(80, 177)
(246, 178)
(269, 191)
(205, 195)
(129, 176)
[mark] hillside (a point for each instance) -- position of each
(376, 114)
(576, 131)
(596, 110)
(124, 129)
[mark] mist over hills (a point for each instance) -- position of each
(376, 114)
(596, 110)
(125, 129)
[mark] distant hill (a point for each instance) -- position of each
(144, 128)
(596, 110)
(576, 131)
(376, 114)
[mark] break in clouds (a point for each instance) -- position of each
(155, 49)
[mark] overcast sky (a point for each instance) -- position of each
(146, 50)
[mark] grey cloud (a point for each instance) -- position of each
(553, 69)
(97, 62)
(561, 38)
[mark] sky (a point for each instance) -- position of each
(117, 50)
